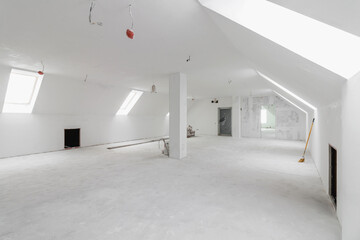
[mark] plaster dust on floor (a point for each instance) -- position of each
(225, 189)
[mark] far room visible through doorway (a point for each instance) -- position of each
(268, 121)
(224, 124)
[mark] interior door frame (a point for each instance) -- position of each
(218, 121)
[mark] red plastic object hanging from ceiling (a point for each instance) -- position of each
(130, 31)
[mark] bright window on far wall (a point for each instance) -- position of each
(22, 91)
(263, 116)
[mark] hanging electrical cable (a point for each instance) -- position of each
(92, 6)
(153, 89)
(130, 31)
(43, 69)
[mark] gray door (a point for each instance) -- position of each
(225, 121)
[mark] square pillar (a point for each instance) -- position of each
(178, 115)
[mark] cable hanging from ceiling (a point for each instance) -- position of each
(153, 88)
(41, 72)
(130, 31)
(92, 6)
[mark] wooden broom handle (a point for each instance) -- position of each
(312, 124)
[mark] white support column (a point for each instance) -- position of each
(236, 117)
(178, 115)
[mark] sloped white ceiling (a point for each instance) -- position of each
(224, 55)
(166, 33)
(292, 71)
(342, 14)
(62, 95)
(151, 104)
(73, 97)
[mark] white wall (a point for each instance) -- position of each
(349, 174)
(326, 131)
(338, 124)
(236, 117)
(250, 117)
(33, 133)
(72, 103)
(290, 121)
(203, 115)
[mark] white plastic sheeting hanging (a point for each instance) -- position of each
(164, 146)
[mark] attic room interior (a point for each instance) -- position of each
(193, 119)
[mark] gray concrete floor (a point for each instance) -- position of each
(225, 189)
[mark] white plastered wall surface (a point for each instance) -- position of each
(337, 115)
(337, 124)
(290, 121)
(203, 115)
(349, 160)
(69, 103)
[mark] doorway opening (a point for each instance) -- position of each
(224, 122)
(268, 119)
(72, 138)
(333, 174)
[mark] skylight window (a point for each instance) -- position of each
(129, 102)
(327, 46)
(287, 91)
(22, 91)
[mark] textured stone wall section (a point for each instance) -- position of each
(290, 122)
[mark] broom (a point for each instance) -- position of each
(302, 159)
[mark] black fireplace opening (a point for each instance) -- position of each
(72, 138)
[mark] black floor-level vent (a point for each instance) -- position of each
(72, 138)
(333, 174)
